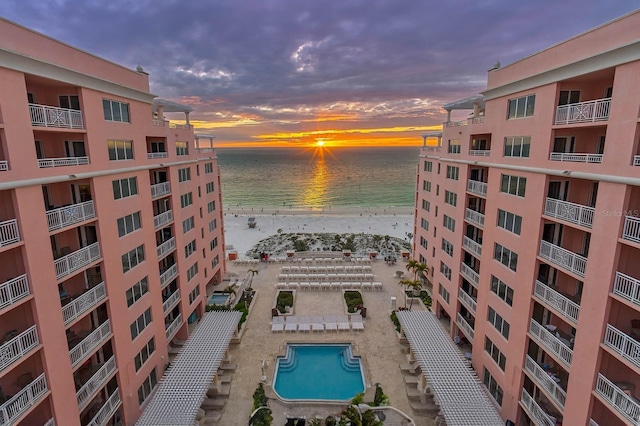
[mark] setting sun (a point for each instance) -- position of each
(320, 143)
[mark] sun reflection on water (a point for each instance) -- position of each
(316, 189)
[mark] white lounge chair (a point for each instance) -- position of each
(316, 324)
(291, 323)
(330, 323)
(304, 324)
(343, 322)
(356, 322)
(277, 324)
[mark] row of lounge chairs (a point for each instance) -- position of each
(246, 261)
(325, 277)
(324, 269)
(317, 323)
(327, 286)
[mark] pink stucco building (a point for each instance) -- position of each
(528, 214)
(110, 231)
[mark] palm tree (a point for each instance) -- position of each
(419, 269)
(411, 264)
(407, 284)
(253, 273)
(414, 286)
(415, 266)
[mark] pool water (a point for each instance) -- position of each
(218, 299)
(318, 372)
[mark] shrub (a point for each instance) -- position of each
(358, 399)
(330, 421)
(285, 298)
(395, 321)
(245, 311)
(262, 418)
(259, 397)
(380, 398)
(353, 300)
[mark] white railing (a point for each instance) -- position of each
(108, 410)
(472, 246)
(474, 216)
(536, 413)
(583, 112)
(571, 212)
(575, 158)
(77, 260)
(563, 257)
(592, 422)
(551, 342)
(166, 247)
(155, 155)
(9, 232)
(173, 327)
(158, 123)
(52, 422)
(204, 150)
(619, 400)
(89, 343)
(480, 152)
(4, 166)
(465, 327)
(467, 301)
(13, 290)
(627, 287)
(477, 187)
(636, 160)
(468, 272)
(17, 347)
(432, 148)
(171, 301)
(623, 344)
(631, 230)
(83, 303)
(45, 163)
(168, 275)
(65, 216)
(476, 120)
(180, 126)
(160, 189)
(16, 406)
(95, 382)
(455, 123)
(545, 381)
(48, 116)
(162, 219)
(569, 309)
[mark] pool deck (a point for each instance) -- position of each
(378, 345)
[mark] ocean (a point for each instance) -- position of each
(318, 178)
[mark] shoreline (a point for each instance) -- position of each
(318, 211)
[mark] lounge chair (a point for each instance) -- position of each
(330, 323)
(316, 324)
(356, 322)
(304, 324)
(278, 324)
(291, 323)
(343, 322)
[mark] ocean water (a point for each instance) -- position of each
(318, 178)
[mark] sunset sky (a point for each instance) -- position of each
(295, 72)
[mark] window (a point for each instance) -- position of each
(147, 387)
(71, 102)
(192, 271)
(182, 148)
(447, 247)
(450, 198)
(446, 271)
(140, 324)
(453, 172)
(136, 291)
(426, 205)
(190, 248)
(521, 107)
(428, 166)
(212, 225)
(208, 168)
(120, 150)
(186, 199)
(449, 223)
(570, 97)
(214, 243)
(423, 242)
(426, 185)
(454, 146)
(443, 292)
(124, 188)
(215, 261)
(503, 291)
(194, 294)
(211, 206)
(517, 146)
(498, 322)
(509, 221)
(144, 354)
(424, 224)
(494, 388)
(188, 224)
(184, 174)
(209, 187)
(115, 111)
(131, 259)
(495, 353)
(514, 185)
(128, 224)
(505, 256)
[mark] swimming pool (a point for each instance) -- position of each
(318, 372)
(218, 299)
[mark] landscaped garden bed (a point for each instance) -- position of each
(284, 302)
(353, 301)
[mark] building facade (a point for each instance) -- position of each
(110, 231)
(528, 215)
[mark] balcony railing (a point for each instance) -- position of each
(465, 327)
(570, 212)
(46, 163)
(95, 382)
(563, 258)
(536, 412)
(9, 233)
(623, 344)
(474, 217)
(568, 308)
(160, 189)
(154, 155)
(480, 152)
(162, 219)
(65, 216)
(476, 120)
(472, 246)
(168, 275)
(204, 150)
(18, 347)
(636, 160)
(455, 123)
(544, 381)
(631, 230)
(477, 187)
(618, 400)
(173, 327)
(467, 301)
(166, 247)
(14, 290)
(16, 406)
(50, 422)
(575, 157)
(4, 166)
(180, 126)
(627, 287)
(108, 410)
(583, 112)
(158, 123)
(171, 301)
(83, 303)
(593, 423)
(469, 273)
(48, 116)
(77, 260)
(551, 342)
(92, 341)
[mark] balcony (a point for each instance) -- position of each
(551, 343)
(95, 382)
(166, 247)
(17, 405)
(160, 189)
(77, 260)
(477, 187)
(575, 157)
(155, 155)
(569, 212)
(83, 303)
(465, 327)
(46, 163)
(476, 120)
(52, 422)
(468, 301)
(534, 411)
(171, 301)
(48, 116)
(627, 287)
(627, 406)
(636, 161)
(4, 166)
(473, 247)
(631, 231)
(13, 291)
(89, 343)
(622, 344)
(168, 275)
(544, 381)
(162, 219)
(204, 150)
(566, 259)
(108, 410)
(69, 215)
(455, 123)
(562, 304)
(172, 329)
(474, 217)
(480, 152)
(19, 346)
(469, 273)
(9, 233)
(583, 112)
